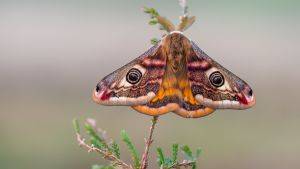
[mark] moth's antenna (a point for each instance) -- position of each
(165, 24)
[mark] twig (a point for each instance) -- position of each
(183, 4)
(183, 164)
(185, 20)
(148, 143)
(106, 155)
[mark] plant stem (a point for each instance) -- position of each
(148, 143)
(184, 164)
(106, 155)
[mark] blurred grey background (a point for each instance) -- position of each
(52, 54)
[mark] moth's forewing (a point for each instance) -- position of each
(205, 76)
(135, 83)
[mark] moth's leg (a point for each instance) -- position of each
(194, 114)
(156, 111)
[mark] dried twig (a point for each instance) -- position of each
(148, 143)
(183, 164)
(183, 4)
(106, 155)
(185, 20)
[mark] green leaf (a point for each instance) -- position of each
(132, 149)
(153, 22)
(76, 125)
(194, 165)
(168, 162)
(95, 138)
(151, 11)
(187, 152)
(161, 157)
(115, 149)
(98, 144)
(198, 152)
(154, 41)
(174, 153)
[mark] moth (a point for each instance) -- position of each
(174, 76)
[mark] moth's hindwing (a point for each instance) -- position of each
(176, 105)
(135, 83)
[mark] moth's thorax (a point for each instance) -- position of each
(176, 48)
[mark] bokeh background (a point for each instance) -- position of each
(53, 52)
